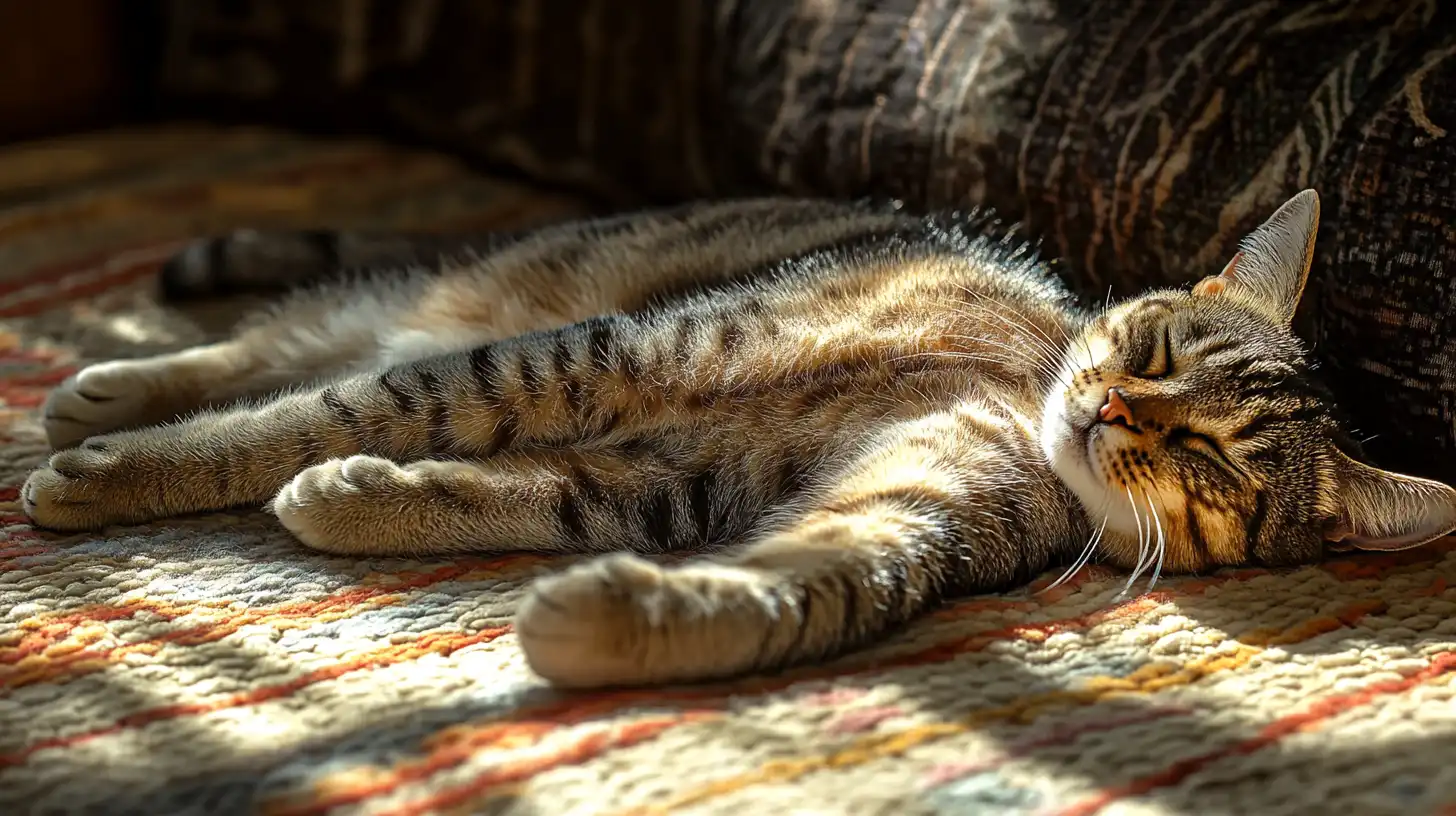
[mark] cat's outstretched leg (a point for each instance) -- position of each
(926, 515)
(518, 284)
(129, 393)
(567, 502)
(308, 337)
(555, 389)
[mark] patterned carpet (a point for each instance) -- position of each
(211, 665)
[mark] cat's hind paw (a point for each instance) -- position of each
(622, 620)
(335, 506)
(83, 488)
(102, 398)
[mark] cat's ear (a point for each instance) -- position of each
(1272, 263)
(1381, 510)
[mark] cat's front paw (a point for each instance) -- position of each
(621, 620)
(102, 398)
(333, 507)
(83, 488)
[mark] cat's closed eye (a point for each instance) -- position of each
(1160, 361)
(1200, 444)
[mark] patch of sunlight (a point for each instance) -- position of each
(132, 330)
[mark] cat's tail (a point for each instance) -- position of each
(262, 262)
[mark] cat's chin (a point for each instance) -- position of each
(1069, 446)
(1067, 440)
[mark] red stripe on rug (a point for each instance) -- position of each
(81, 661)
(24, 399)
(370, 585)
(67, 291)
(1442, 664)
(92, 262)
(442, 643)
(587, 748)
(39, 378)
(581, 750)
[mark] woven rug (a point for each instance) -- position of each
(212, 665)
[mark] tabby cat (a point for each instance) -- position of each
(876, 410)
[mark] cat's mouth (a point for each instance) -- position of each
(1096, 443)
(1094, 437)
(1078, 443)
(1085, 428)
(1090, 435)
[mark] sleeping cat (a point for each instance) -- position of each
(872, 410)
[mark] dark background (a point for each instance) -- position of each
(69, 65)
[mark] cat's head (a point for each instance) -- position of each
(1194, 416)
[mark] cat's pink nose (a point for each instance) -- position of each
(1115, 408)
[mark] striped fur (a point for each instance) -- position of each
(869, 410)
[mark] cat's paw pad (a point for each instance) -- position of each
(322, 505)
(621, 620)
(100, 398)
(82, 488)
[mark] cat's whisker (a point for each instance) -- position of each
(1073, 342)
(1142, 542)
(1031, 352)
(958, 355)
(954, 355)
(1106, 305)
(1086, 554)
(1046, 359)
(1053, 356)
(1155, 550)
(1036, 334)
(1020, 354)
(1038, 350)
(1087, 347)
(1026, 355)
(985, 358)
(1162, 544)
(1038, 338)
(1146, 551)
(1060, 330)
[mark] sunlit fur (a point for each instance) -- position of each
(1228, 456)
(864, 411)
